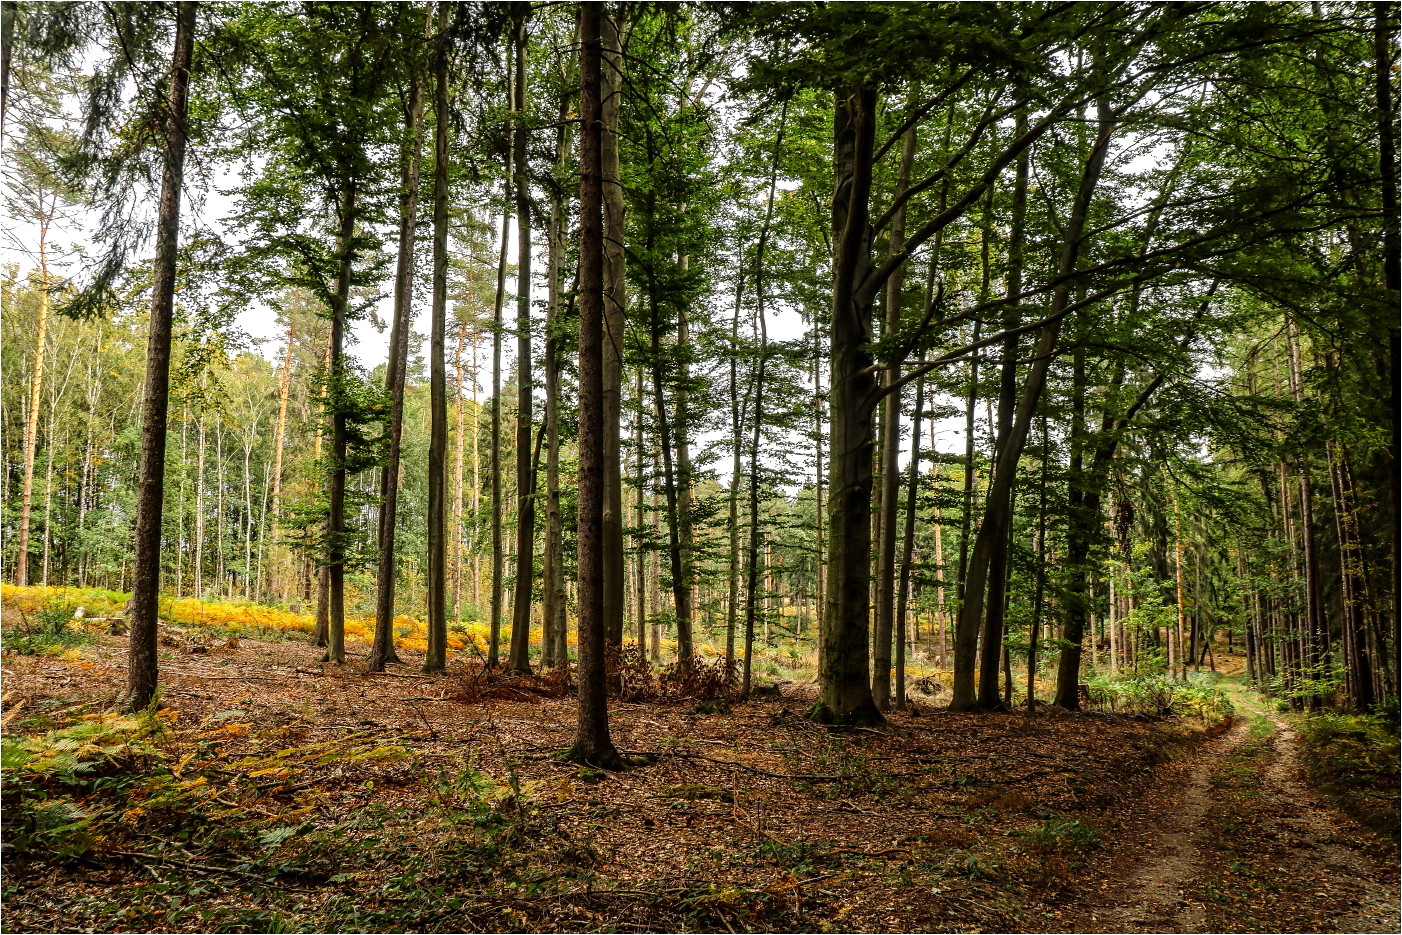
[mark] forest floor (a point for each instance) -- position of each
(274, 793)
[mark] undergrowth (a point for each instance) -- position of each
(1354, 760)
(1157, 695)
(47, 630)
(228, 832)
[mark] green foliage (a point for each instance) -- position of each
(51, 631)
(49, 780)
(1354, 758)
(1161, 696)
(1062, 836)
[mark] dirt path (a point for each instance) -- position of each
(1333, 842)
(1233, 841)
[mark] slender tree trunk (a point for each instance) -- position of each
(382, 649)
(738, 409)
(142, 674)
(459, 449)
(612, 27)
(248, 532)
(199, 505)
(553, 652)
(276, 588)
(655, 575)
(476, 480)
(992, 636)
(820, 593)
(890, 454)
(336, 475)
(31, 421)
(321, 633)
(997, 517)
(757, 416)
(592, 744)
(966, 634)
(220, 563)
(1035, 625)
(525, 468)
(941, 617)
(908, 549)
(640, 518)
(682, 482)
(51, 436)
(436, 655)
(498, 543)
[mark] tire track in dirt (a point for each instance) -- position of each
(1156, 867)
(1316, 828)
(1149, 895)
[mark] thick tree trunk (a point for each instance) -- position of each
(844, 669)
(146, 578)
(592, 744)
(382, 649)
(436, 655)
(525, 468)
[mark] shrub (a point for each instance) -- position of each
(50, 631)
(1062, 835)
(1160, 696)
(1354, 760)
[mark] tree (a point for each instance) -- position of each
(592, 743)
(146, 577)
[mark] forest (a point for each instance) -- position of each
(702, 466)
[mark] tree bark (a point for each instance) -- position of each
(146, 577)
(31, 421)
(382, 649)
(997, 517)
(494, 456)
(992, 636)
(284, 386)
(553, 652)
(436, 655)
(592, 744)
(890, 453)
(844, 669)
(525, 468)
(612, 28)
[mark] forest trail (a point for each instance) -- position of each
(1233, 841)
